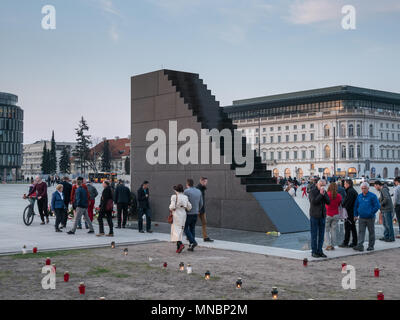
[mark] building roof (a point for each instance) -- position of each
(118, 147)
(342, 92)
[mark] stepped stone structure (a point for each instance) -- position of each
(249, 202)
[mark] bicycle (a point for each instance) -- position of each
(29, 212)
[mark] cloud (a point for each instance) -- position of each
(111, 12)
(107, 6)
(113, 33)
(313, 11)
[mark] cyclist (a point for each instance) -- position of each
(40, 189)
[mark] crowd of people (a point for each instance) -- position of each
(340, 201)
(80, 196)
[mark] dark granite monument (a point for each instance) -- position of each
(246, 202)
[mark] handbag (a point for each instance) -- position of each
(171, 216)
(342, 213)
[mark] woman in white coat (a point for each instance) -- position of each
(179, 204)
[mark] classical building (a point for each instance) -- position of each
(350, 130)
(11, 137)
(120, 149)
(32, 156)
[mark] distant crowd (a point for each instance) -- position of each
(78, 199)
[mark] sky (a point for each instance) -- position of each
(241, 48)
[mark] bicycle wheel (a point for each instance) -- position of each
(28, 215)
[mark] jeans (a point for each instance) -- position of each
(363, 224)
(330, 230)
(397, 210)
(147, 212)
(317, 234)
(59, 217)
(42, 207)
(122, 209)
(203, 220)
(350, 227)
(388, 232)
(108, 215)
(65, 216)
(79, 213)
(190, 227)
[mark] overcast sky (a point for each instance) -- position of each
(241, 48)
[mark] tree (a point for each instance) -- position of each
(65, 161)
(52, 156)
(127, 165)
(106, 157)
(82, 149)
(45, 160)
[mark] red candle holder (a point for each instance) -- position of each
(82, 288)
(305, 262)
(34, 250)
(344, 265)
(165, 265)
(380, 295)
(48, 261)
(376, 272)
(66, 276)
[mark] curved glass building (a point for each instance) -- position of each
(11, 137)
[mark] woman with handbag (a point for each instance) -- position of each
(177, 217)
(332, 215)
(106, 209)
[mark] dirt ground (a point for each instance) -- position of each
(108, 273)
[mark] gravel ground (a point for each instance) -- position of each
(108, 273)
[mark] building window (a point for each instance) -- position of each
(387, 135)
(312, 154)
(303, 126)
(272, 139)
(371, 151)
(343, 152)
(264, 129)
(303, 137)
(279, 139)
(312, 136)
(351, 152)
(358, 151)
(264, 156)
(256, 139)
(359, 130)
(295, 137)
(287, 128)
(272, 155)
(371, 130)
(326, 131)
(287, 138)
(351, 130)
(279, 155)
(279, 128)
(295, 127)
(327, 152)
(287, 154)
(303, 154)
(312, 126)
(264, 139)
(295, 154)
(342, 130)
(271, 129)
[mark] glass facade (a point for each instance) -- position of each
(11, 133)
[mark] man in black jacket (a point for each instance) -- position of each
(202, 186)
(318, 199)
(122, 197)
(144, 207)
(349, 224)
(67, 188)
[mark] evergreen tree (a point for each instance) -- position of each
(106, 157)
(45, 160)
(82, 149)
(65, 162)
(53, 156)
(127, 165)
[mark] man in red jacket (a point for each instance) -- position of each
(42, 201)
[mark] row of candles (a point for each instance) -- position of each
(207, 275)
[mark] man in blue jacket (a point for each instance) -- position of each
(58, 206)
(365, 208)
(81, 204)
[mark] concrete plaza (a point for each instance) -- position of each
(14, 234)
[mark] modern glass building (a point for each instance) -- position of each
(11, 137)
